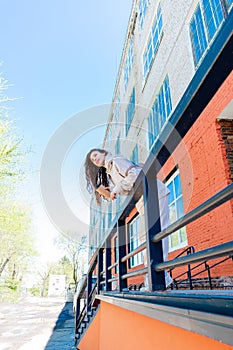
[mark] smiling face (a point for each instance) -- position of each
(97, 158)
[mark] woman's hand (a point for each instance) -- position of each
(113, 196)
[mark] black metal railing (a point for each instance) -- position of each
(107, 280)
(215, 68)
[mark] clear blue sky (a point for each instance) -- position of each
(61, 57)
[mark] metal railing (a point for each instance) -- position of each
(108, 281)
(216, 63)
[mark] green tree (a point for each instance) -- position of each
(16, 244)
(75, 253)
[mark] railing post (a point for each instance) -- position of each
(156, 280)
(189, 271)
(108, 273)
(77, 312)
(100, 270)
(122, 266)
(89, 288)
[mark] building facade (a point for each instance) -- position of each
(165, 48)
(172, 110)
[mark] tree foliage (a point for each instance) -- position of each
(75, 256)
(16, 244)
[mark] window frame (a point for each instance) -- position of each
(162, 107)
(175, 173)
(198, 26)
(130, 111)
(137, 259)
(142, 9)
(152, 47)
(128, 63)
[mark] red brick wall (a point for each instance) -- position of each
(204, 170)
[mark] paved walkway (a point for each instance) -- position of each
(38, 324)
(62, 337)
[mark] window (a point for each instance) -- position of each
(116, 252)
(134, 242)
(153, 43)
(109, 135)
(134, 156)
(128, 64)
(118, 145)
(229, 3)
(160, 111)
(116, 110)
(177, 239)
(130, 111)
(208, 16)
(142, 7)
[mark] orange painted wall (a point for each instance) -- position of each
(120, 329)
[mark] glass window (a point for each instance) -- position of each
(153, 43)
(177, 239)
(130, 111)
(134, 156)
(116, 252)
(229, 3)
(128, 64)
(142, 7)
(213, 13)
(116, 110)
(206, 19)
(118, 145)
(160, 111)
(134, 242)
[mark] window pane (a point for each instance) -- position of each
(183, 236)
(177, 186)
(174, 239)
(198, 36)
(171, 194)
(176, 209)
(213, 15)
(172, 212)
(180, 207)
(229, 3)
(153, 42)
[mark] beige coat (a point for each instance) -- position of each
(123, 174)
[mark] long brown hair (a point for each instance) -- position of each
(95, 176)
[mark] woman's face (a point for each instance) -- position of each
(97, 158)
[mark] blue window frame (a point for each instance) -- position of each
(229, 3)
(128, 63)
(160, 111)
(142, 8)
(134, 156)
(153, 42)
(134, 242)
(177, 239)
(130, 111)
(206, 20)
(118, 144)
(117, 109)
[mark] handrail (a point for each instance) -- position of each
(134, 252)
(201, 256)
(187, 111)
(204, 208)
(112, 266)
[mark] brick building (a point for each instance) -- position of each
(166, 47)
(172, 110)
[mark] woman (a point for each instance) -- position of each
(102, 168)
